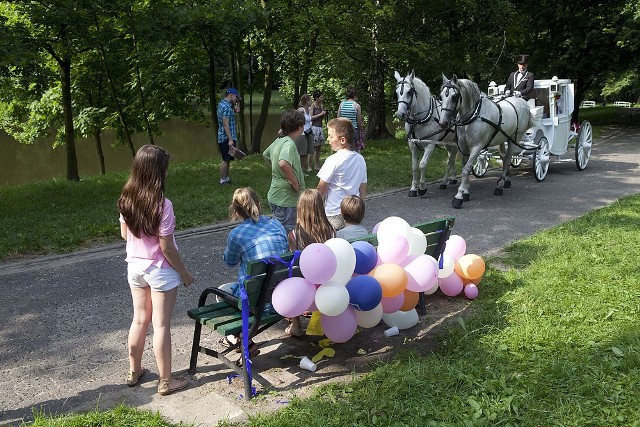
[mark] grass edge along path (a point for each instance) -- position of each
(552, 340)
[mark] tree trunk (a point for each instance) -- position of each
(213, 102)
(376, 109)
(264, 112)
(143, 104)
(239, 84)
(98, 140)
(69, 136)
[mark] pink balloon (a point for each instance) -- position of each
(340, 328)
(422, 274)
(451, 285)
(318, 263)
(471, 291)
(393, 250)
(455, 247)
(375, 228)
(293, 296)
(407, 260)
(392, 304)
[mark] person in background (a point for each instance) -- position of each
(318, 113)
(312, 226)
(304, 142)
(520, 82)
(155, 269)
(343, 173)
(352, 111)
(227, 132)
(287, 177)
(352, 210)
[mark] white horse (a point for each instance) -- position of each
(421, 113)
(486, 123)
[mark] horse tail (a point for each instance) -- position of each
(535, 116)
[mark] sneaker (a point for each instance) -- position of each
(228, 181)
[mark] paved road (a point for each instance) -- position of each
(65, 318)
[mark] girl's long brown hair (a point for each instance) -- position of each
(142, 197)
(312, 225)
(245, 204)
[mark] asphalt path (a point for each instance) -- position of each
(65, 318)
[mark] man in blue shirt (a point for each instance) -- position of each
(227, 135)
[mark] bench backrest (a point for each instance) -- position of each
(587, 104)
(262, 273)
(625, 104)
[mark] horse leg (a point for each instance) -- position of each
(464, 189)
(428, 150)
(414, 169)
(505, 181)
(450, 174)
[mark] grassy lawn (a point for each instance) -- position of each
(552, 340)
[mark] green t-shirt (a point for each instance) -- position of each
(281, 193)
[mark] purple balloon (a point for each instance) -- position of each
(451, 285)
(340, 328)
(392, 304)
(366, 257)
(293, 296)
(471, 291)
(365, 293)
(455, 247)
(318, 263)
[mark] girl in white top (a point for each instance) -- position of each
(304, 143)
(344, 173)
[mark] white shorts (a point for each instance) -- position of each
(158, 279)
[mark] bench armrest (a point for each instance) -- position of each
(227, 297)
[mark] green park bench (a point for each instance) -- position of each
(225, 317)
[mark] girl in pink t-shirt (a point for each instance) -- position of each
(155, 268)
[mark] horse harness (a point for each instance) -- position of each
(433, 104)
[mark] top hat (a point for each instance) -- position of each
(523, 59)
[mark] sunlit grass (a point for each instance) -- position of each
(121, 416)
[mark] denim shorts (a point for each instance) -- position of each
(158, 279)
(286, 216)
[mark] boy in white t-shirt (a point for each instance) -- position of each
(344, 173)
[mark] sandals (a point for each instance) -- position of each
(253, 351)
(134, 377)
(294, 332)
(227, 343)
(164, 385)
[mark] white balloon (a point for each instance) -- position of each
(332, 300)
(401, 319)
(433, 289)
(393, 226)
(369, 319)
(417, 242)
(422, 273)
(346, 257)
(448, 264)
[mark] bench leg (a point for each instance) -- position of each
(421, 307)
(245, 376)
(195, 349)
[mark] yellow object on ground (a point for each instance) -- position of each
(325, 352)
(314, 327)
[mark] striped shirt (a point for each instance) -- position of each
(348, 110)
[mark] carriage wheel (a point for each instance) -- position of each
(481, 164)
(516, 161)
(541, 159)
(583, 145)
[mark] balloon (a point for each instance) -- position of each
(375, 228)
(392, 304)
(407, 260)
(293, 296)
(417, 242)
(471, 291)
(432, 290)
(401, 319)
(318, 263)
(393, 250)
(366, 257)
(392, 226)
(365, 293)
(340, 328)
(450, 285)
(448, 265)
(421, 273)
(455, 247)
(391, 277)
(470, 266)
(475, 281)
(346, 257)
(332, 299)
(369, 319)
(410, 300)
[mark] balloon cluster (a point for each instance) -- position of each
(353, 284)
(460, 272)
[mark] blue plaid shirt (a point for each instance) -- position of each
(225, 109)
(252, 241)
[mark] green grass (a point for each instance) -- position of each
(58, 216)
(121, 416)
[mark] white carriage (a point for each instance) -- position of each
(555, 135)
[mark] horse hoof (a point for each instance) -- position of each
(422, 192)
(453, 182)
(457, 203)
(507, 184)
(413, 193)
(443, 186)
(498, 192)
(466, 197)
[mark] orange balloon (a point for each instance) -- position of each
(470, 266)
(472, 281)
(410, 300)
(392, 278)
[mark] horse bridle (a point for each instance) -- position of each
(457, 97)
(412, 91)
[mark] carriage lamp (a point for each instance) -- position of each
(493, 89)
(553, 87)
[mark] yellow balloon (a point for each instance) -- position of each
(470, 266)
